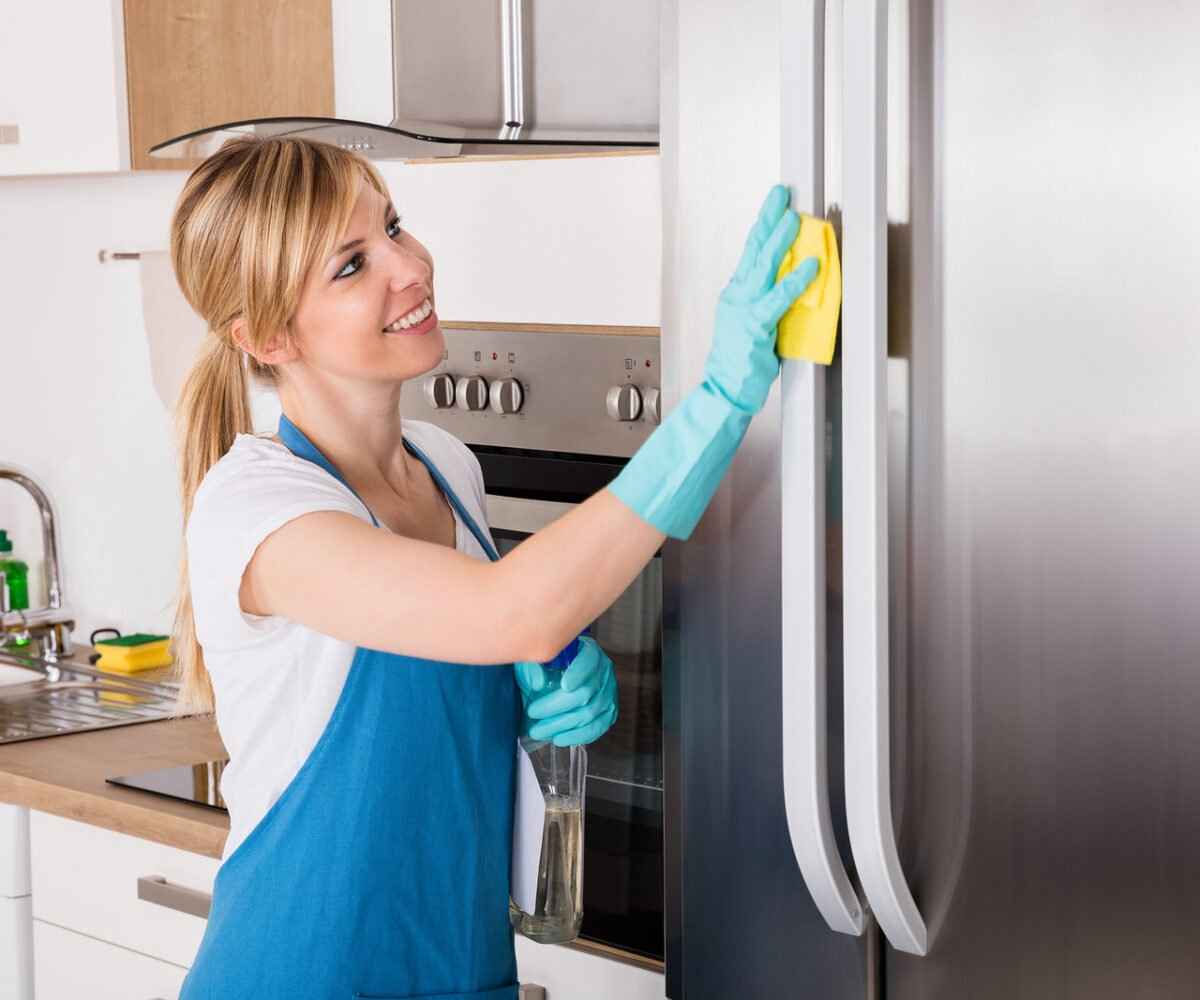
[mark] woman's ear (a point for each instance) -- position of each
(278, 348)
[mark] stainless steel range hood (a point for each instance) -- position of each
(407, 137)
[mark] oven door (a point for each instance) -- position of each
(623, 840)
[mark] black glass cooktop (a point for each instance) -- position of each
(197, 783)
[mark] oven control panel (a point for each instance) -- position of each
(585, 390)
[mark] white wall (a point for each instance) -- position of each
(556, 241)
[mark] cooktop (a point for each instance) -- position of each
(197, 783)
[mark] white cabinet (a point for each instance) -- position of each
(16, 949)
(69, 966)
(14, 851)
(62, 88)
(16, 929)
(92, 936)
(86, 879)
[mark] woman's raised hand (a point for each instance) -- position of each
(741, 363)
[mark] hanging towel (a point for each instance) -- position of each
(808, 330)
(173, 331)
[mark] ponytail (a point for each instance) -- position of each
(213, 408)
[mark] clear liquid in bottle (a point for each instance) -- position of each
(558, 907)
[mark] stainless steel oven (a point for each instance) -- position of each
(552, 413)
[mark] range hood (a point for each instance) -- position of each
(409, 137)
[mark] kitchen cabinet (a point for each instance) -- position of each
(16, 928)
(62, 89)
(141, 71)
(192, 63)
(87, 915)
(69, 965)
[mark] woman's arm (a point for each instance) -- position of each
(404, 596)
(387, 592)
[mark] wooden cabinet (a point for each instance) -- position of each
(194, 63)
(89, 87)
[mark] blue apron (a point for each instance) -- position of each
(383, 869)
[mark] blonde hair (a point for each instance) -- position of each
(252, 221)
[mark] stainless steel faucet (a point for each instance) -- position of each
(50, 625)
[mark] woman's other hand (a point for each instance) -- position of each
(584, 705)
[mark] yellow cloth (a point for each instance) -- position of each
(808, 330)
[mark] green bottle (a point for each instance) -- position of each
(15, 593)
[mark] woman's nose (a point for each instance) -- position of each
(407, 268)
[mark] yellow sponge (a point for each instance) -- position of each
(808, 330)
(131, 653)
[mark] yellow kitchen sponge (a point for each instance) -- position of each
(131, 653)
(808, 330)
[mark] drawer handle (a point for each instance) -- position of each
(156, 889)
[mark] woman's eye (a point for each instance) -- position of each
(352, 266)
(393, 228)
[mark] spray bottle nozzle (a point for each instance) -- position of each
(567, 653)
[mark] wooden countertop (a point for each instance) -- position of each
(64, 775)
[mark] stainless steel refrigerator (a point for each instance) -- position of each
(932, 661)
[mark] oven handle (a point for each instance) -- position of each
(520, 514)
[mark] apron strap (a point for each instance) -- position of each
(484, 542)
(299, 444)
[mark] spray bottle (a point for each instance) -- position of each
(556, 906)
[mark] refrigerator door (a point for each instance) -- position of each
(740, 919)
(1051, 318)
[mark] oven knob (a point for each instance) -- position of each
(472, 393)
(439, 391)
(507, 395)
(652, 406)
(624, 402)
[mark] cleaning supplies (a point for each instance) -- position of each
(808, 330)
(15, 595)
(673, 475)
(550, 909)
(14, 586)
(129, 654)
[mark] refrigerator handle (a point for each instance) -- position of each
(802, 474)
(864, 464)
(805, 765)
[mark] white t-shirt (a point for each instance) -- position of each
(276, 682)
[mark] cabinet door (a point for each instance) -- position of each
(62, 91)
(195, 63)
(14, 851)
(68, 966)
(86, 878)
(16, 949)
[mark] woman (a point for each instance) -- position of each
(342, 602)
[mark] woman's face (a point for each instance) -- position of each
(367, 311)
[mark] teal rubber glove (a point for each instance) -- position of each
(673, 476)
(576, 707)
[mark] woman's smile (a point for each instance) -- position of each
(418, 321)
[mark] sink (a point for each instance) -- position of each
(40, 698)
(18, 675)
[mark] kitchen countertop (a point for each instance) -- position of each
(64, 775)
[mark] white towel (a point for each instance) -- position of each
(173, 330)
